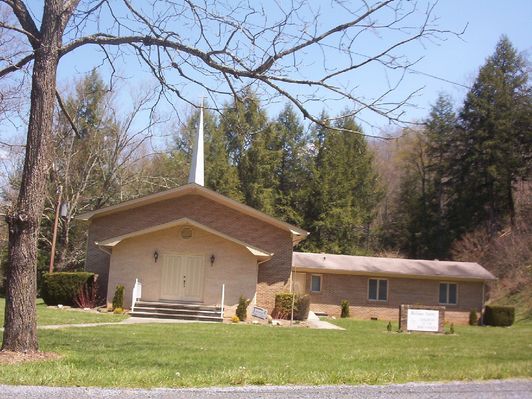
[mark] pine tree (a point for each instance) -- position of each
(495, 149)
(344, 191)
(253, 151)
(292, 171)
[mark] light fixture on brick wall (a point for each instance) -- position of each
(213, 258)
(155, 255)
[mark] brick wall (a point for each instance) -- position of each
(337, 287)
(273, 275)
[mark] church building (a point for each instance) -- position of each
(190, 252)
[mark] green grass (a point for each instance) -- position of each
(51, 315)
(173, 355)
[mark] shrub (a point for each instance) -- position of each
(501, 316)
(62, 287)
(235, 319)
(389, 327)
(118, 310)
(87, 296)
(451, 329)
(345, 309)
(283, 306)
(303, 307)
(118, 298)
(473, 318)
(242, 308)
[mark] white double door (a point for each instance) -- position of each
(182, 277)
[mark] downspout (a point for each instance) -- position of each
(482, 303)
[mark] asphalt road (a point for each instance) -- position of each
(521, 389)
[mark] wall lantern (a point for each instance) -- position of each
(156, 256)
(213, 258)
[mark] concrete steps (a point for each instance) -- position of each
(177, 311)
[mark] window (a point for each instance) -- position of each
(377, 289)
(315, 283)
(448, 293)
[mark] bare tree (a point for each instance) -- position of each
(97, 167)
(217, 46)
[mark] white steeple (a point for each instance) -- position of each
(196, 167)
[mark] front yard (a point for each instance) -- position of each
(173, 355)
(52, 315)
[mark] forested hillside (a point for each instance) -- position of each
(456, 186)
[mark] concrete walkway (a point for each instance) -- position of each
(315, 322)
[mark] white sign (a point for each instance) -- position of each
(423, 320)
(260, 313)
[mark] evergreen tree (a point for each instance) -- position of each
(495, 147)
(252, 149)
(344, 190)
(292, 171)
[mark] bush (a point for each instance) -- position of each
(283, 306)
(87, 296)
(235, 319)
(345, 309)
(389, 327)
(302, 307)
(501, 316)
(242, 308)
(118, 311)
(63, 287)
(473, 318)
(118, 299)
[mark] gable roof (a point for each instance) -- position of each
(297, 233)
(365, 265)
(113, 241)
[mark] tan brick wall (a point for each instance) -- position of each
(273, 275)
(337, 287)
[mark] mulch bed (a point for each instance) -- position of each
(7, 357)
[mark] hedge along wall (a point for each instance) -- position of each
(60, 288)
(502, 316)
(283, 306)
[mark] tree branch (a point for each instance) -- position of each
(67, 114)
(26, 21)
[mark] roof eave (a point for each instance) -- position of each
(321, 270)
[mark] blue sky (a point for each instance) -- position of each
(452, 60)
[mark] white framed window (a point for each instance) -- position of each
(448, 294)
(315, 283)
(377, 289)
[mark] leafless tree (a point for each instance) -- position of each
(286, 49)
(94, 169)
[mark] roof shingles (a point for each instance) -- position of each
(390, 266)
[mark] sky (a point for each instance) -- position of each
(447, 66)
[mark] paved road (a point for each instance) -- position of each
(519, 389)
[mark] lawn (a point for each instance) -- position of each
(51, 315)
(173, 355)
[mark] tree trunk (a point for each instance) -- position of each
(24, 220)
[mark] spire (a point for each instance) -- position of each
(196, 167)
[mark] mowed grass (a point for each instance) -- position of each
(175, 355)
(51, 315)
